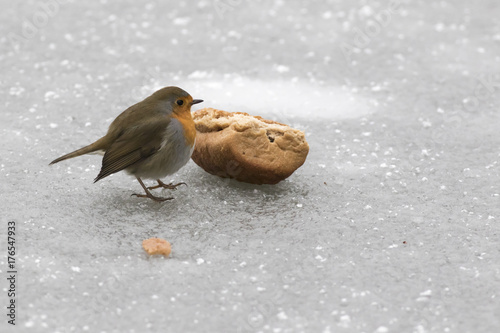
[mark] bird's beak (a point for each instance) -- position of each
(196, 101)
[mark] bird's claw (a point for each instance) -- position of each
(152, 197)
(167, 186)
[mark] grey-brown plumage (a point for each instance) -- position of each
(134, 145)
(150, 139)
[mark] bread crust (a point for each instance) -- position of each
(247, 148)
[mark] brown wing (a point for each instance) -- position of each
(134, 145)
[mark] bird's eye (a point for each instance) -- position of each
(180, 102)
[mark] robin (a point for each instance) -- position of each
(151, 139)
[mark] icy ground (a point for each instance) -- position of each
(392, 225)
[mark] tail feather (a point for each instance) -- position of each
(98, 145)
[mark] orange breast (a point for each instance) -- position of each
(187, 123)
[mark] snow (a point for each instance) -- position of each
(390, 226)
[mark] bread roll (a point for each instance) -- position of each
(247, 148)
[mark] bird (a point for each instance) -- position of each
(151, 139)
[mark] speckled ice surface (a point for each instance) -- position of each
(392, 225)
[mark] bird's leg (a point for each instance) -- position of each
(148, 194)
(168, 186)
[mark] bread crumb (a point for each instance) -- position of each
(157, 246)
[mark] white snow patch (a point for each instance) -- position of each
(181, 20)
(282, 69)
(282, 315)
(327, 15)
(345, 321)
(276, 99)
(426, 293)
(366, 11)
(198, 75)
(16, 91)
(51, 95)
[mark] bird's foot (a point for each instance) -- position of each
(152, 197)
(167, 186)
